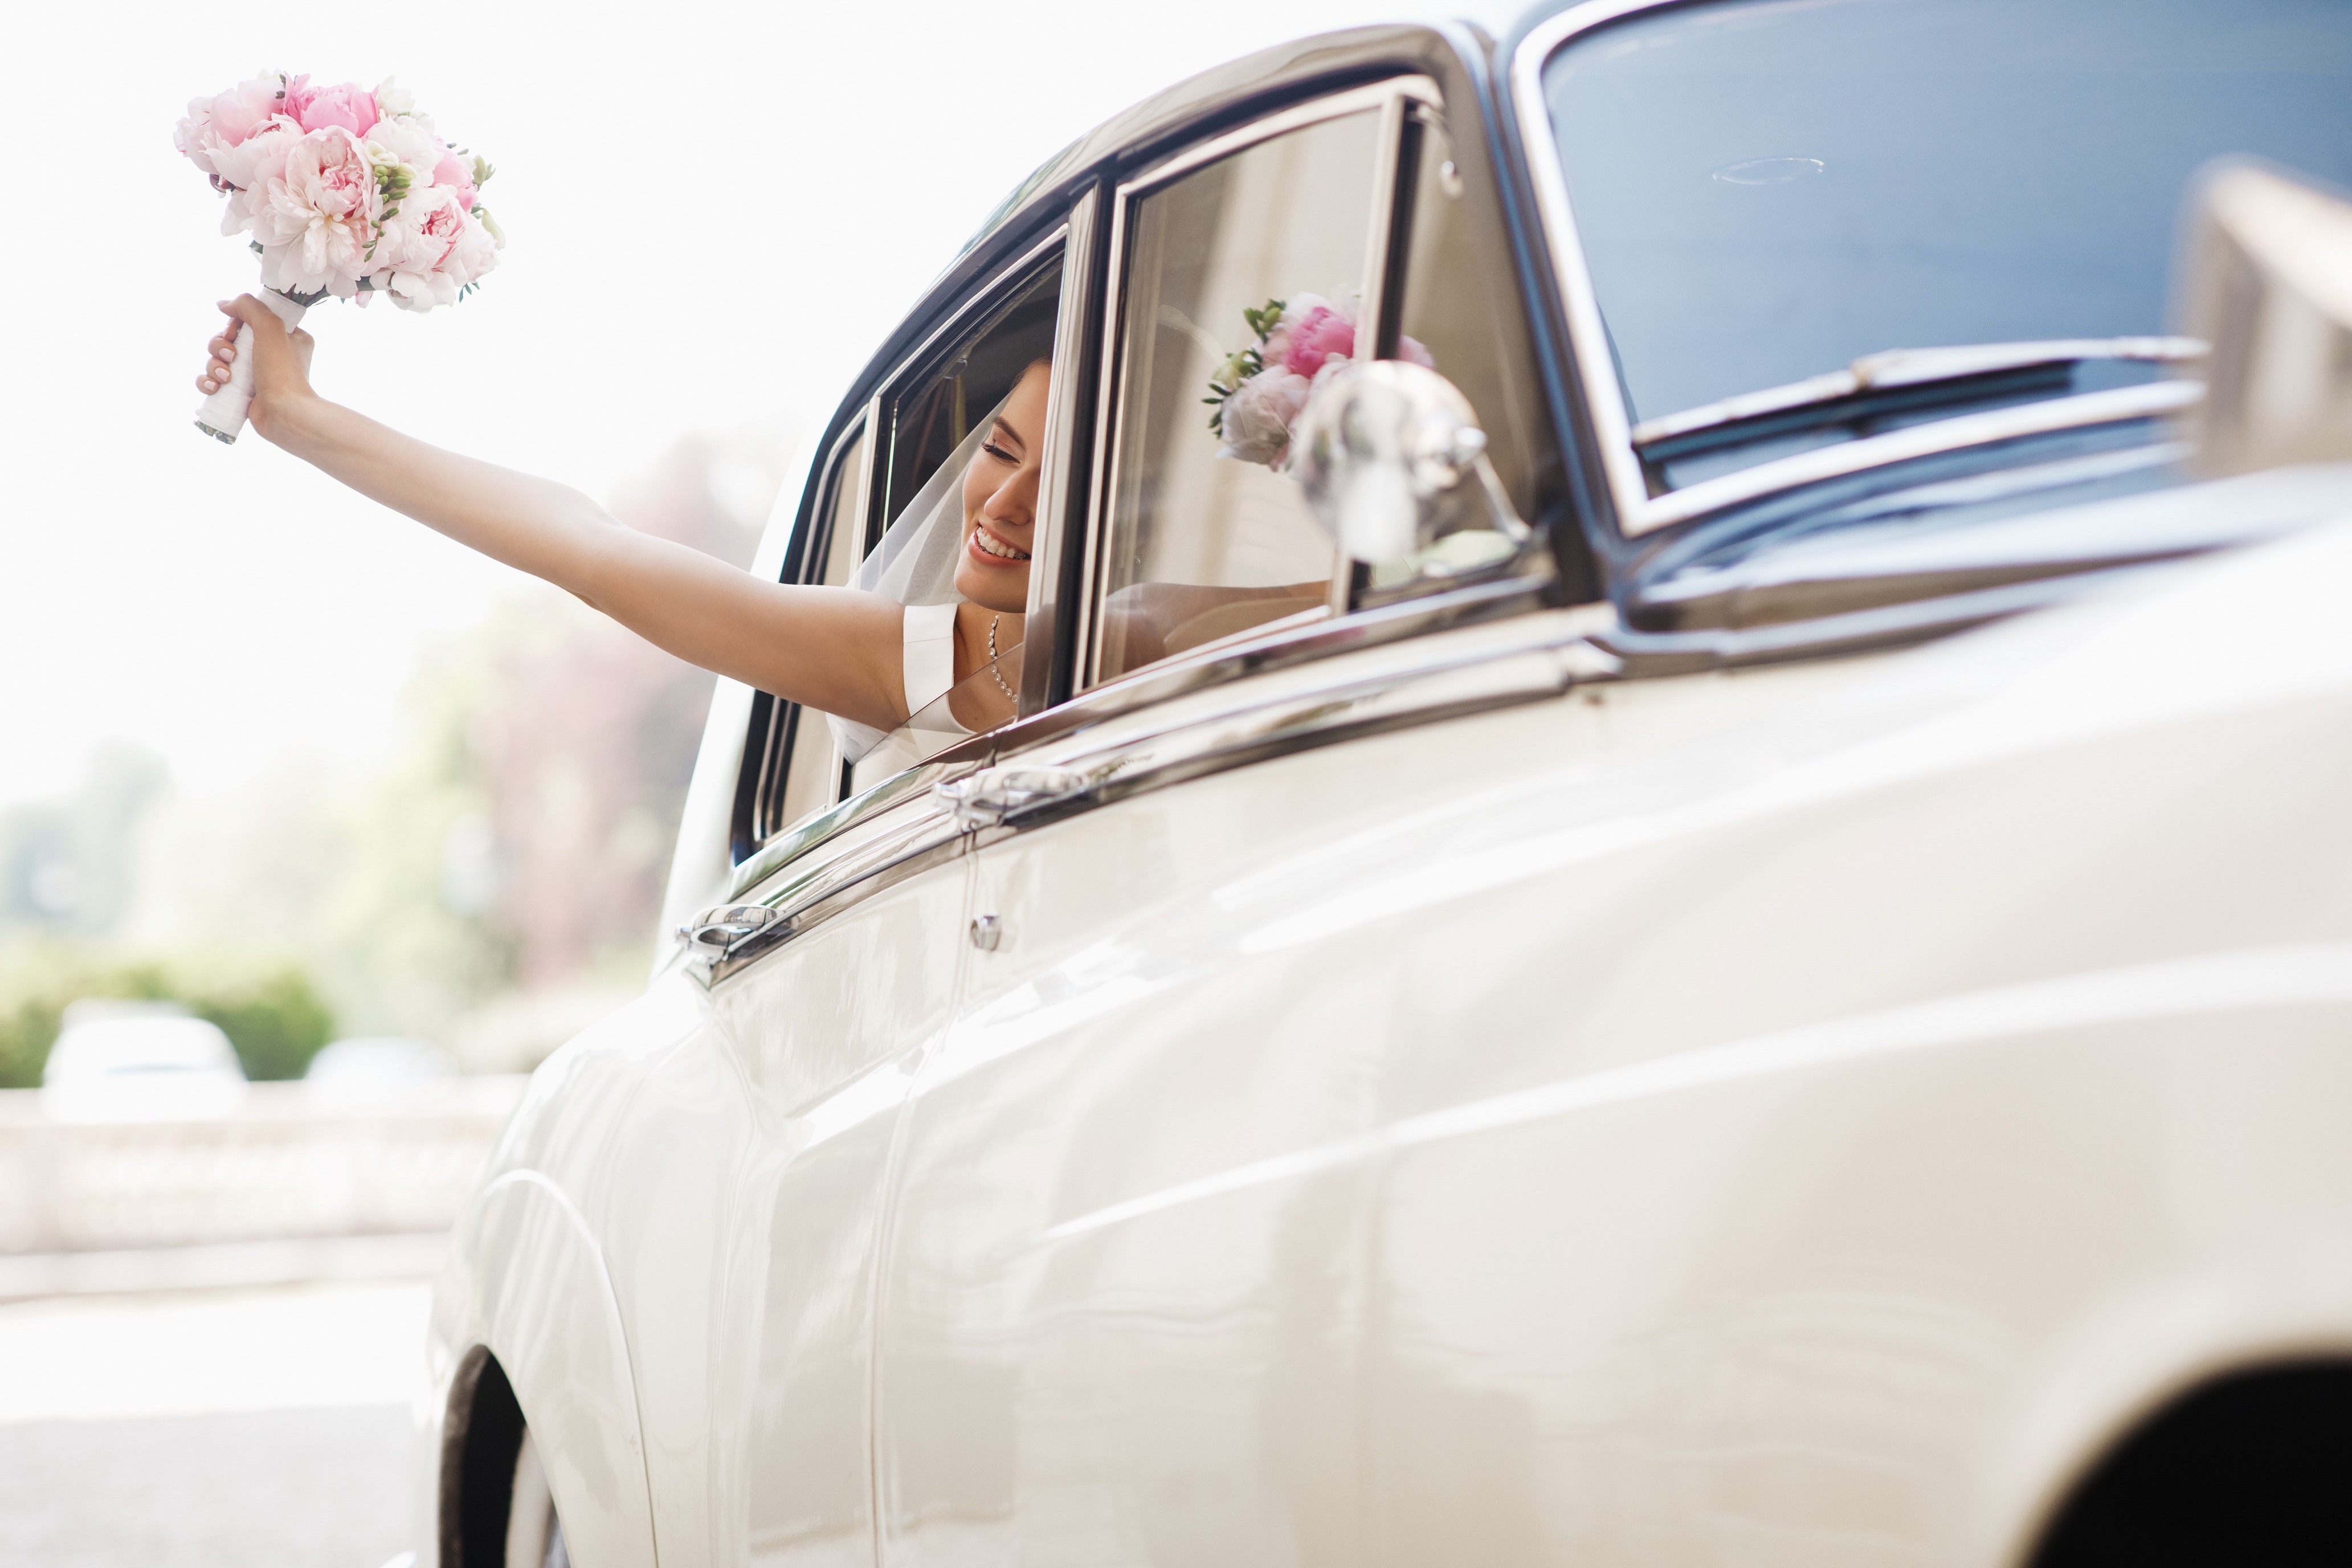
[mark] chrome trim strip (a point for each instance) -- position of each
(1055, 459)
(1211, 665)
(837, 896)
(2113, 406)
(1310, 643)
(1422, 680)
(1371, 290)
(1638, 512)
(1406, 667)
(822, 827)
(1086, 651)
(1649, 654)
(1914, 367)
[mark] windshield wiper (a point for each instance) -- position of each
(1874, 381)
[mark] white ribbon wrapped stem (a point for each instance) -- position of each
(222, 414)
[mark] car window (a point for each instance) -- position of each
(939, 424)
(865, 532)
(813, 774)
(1255, 261)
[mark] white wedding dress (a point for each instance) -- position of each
(929, 672)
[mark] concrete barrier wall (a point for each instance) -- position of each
(285, 1169)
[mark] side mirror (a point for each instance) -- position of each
(2267, 280)
(1393, 463)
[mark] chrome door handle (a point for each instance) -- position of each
(714, 930)
(992, 795)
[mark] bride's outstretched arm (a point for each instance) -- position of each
(833, 648)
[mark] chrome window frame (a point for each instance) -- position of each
(1638, 511)
(1047, 542)
(1391, 98)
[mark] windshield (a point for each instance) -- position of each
(1767, 192)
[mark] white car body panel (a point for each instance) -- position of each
(1796, 1113)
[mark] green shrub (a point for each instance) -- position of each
(276, 1026)
(27, 1029)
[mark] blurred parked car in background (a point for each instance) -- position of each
(140, 1061)
(374, 1070)
(1721, 933)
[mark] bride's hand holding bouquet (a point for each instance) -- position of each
(276, 360)
(350, 192)
(346, 192)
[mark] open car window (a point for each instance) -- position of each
(889, 521)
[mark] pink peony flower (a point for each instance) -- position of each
(250, 166)
(1257, 416)
(225, 120)
(1321, 335)
(346, 105)
(316, 216)
(431, 248)
(457, 175)
(1413, 351)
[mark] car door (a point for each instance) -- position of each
(1122, 1315)
(758, 1142)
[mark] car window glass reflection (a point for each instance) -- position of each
(1241, 283)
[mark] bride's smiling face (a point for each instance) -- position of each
(999, 501)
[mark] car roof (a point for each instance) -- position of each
(1180, 108)
(1469, 37)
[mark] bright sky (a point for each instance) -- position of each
(715, 212)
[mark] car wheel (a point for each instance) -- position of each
(535, 1534)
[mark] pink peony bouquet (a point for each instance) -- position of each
(346, 192)
(1257, 393)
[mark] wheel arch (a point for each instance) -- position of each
(548, 1352)
(2246, 1464)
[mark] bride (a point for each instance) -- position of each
(927, 610)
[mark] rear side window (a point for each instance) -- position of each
(813, 774)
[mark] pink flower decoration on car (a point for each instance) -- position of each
(1258, 392)
(1321, 336)
(1258, 416)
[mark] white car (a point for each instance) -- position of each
(140, 1061)
(1705, 917)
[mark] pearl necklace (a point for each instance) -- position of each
(993, 673)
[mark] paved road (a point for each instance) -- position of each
(223, 1430)
(278, 1488)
